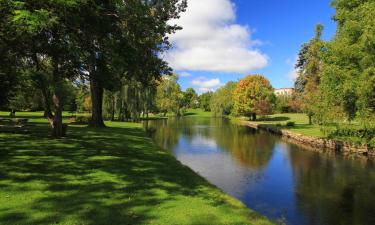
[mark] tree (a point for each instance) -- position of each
(190, 99)
(124, 42)
(169, 96)
(205, 100)
(41, 30)
(309, 66)
(348, 77)
(251, 94)
(222, 100)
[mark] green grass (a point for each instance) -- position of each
(197, 113)
(301, 123)
(114, 175)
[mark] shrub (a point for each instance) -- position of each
(290, 124)
(366, 135)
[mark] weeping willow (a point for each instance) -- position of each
(132, 102)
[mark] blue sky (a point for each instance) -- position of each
(225, 40)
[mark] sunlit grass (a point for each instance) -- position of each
(114, 175)
(302, 125)
(197, 113)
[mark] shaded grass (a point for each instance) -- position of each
(114, 175)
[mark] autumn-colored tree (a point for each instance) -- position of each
(251, 94)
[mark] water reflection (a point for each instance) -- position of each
(333, 190)
(277, 179)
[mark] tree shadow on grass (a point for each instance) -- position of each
(190, 114)
(275, 119)
(102, 176)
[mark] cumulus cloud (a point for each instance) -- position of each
(202, 84)
(211, 41)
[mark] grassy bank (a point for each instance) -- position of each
(301, 123)
(114, 175)
(301, 126)
(197, 113)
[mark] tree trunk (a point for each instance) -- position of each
(113, 102)
(253, 116)
(57, 126)
(44, 89)
(310, 119)
(97, 102)
(47, 104)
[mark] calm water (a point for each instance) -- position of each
(273, 177)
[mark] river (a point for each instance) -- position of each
(279, 180)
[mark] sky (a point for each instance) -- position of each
(225, 40)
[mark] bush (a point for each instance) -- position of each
(278, 124)
(367, 135)
(290, 124)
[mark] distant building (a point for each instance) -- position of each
(284, 92)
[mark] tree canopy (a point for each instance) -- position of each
(253, 94)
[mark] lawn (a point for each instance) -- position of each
(301, 123)
(197, 113)
(114, 175)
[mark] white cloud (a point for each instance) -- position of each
(184, 74)
(293, 73)
(211, 41)
(202, 84)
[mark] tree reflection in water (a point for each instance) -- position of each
(333, 190)
(276, 178)
(253, 151)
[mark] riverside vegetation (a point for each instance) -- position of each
(114, 175)
(101, 59)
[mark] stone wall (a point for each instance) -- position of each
(315, 143)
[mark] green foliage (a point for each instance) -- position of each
(252, 94)
(364, 135)
(348, 77)
(290, 124)
(169, 97)
(282, 104)
(108, 43)
(82, 94)
(309, 67)
(222, 100)
(190, 99)
(205, 101)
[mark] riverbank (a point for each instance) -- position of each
(309, 136)
(115, 175)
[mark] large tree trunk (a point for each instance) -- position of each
(97, 102)
(57, 126)
(47, 104)
(44, 89)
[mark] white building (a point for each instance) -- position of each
(284, 92)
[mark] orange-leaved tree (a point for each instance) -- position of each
(253, 95)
